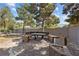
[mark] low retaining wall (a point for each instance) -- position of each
(53, 51)
(71, 33)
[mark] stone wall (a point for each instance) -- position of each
(71, 33)
(74, 34)
(55, 51)
(58, 32)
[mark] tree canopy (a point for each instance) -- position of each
(73, 10)
(52, 22)
(41, 12)
(32, 14)
(6, 19)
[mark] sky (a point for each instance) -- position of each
(58, 11)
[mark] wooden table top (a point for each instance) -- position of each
(38, 34)
(54, 36)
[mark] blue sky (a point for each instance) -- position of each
(57, 12)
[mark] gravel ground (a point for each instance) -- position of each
(7, 42)
(36, 48)
(74, 51)
(4, 52)
(31, 48)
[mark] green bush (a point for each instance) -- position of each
(2, 30)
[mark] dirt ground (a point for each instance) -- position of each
(6, 42)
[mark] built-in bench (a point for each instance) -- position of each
(53, 38)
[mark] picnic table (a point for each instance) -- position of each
(37, 34)
(50, 37)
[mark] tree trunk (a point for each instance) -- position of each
(23, 27)
(4, 27)
(43, 25)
